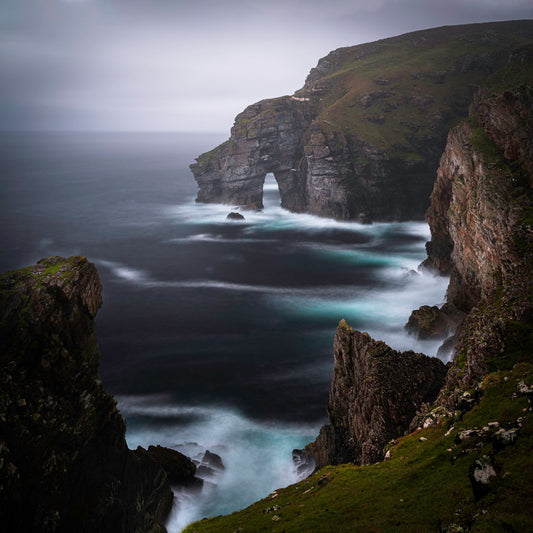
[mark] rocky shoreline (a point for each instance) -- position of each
(64, 462)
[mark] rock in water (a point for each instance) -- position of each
(179, 467)
(213, 460)
(235, 216)
(430, 322)
(375, 393)
(64, 463)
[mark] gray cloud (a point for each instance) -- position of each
(176, 65)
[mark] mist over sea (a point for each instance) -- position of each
(214, 334)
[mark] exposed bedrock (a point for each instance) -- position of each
(375, 393)
(267, 137)
(362, 139)
(480, 219)
(64, 463)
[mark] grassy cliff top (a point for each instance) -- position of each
(393, 91)
(425, 484)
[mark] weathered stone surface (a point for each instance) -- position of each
(432, 322)
(350, 145)
(234, 216)
(64, 463)
(374, 395)
(480, 219)
(267, 137)
(179, 468)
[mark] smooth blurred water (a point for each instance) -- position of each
(212, 331)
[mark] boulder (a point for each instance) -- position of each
(179, 467)
(213, 460)
(482, 475)
(233, 215)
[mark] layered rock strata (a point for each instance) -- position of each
(355, 144)
(480, 219)
(375, 393)
(64, 463)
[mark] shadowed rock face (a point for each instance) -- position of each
(362, 139)
(375, 393)
(64, 463)
(480, 219)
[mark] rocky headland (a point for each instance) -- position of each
(425, 446)
(64, 462)
(363, 137)
(375, 393)
(447, 448)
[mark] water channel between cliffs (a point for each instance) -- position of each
(212, 332)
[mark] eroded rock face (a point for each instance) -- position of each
(267, 137)
(64, 463)
(375, 393)
(355, 146)
(480, 218)
(432, 322)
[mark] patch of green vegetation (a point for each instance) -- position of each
(460, 360)
(484, 145)
(52, 269)
(213, 154)
(423, 487)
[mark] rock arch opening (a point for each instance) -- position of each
(271, 192)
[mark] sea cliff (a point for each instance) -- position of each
(458, 459)
(64, 462)
(363, 137)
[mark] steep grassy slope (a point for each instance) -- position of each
(394, 92)
(425, 484)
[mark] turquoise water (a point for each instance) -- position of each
(212, 332)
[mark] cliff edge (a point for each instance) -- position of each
(466, 464)
(482, 235)
(363, 137)
(375, 393)
(64, 463)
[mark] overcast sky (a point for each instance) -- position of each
(187, 65)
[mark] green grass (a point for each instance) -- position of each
(423, 487)
(52, 269)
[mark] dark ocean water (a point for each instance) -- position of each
(213, 332)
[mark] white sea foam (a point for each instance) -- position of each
(257, 456)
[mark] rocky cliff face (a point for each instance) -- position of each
(375, 393)
(267, 137)
(353, 143)
(64, 463)
(480, 218)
